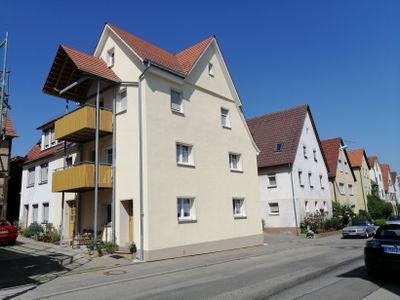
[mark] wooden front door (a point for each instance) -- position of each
(71, 219)
(130, 219)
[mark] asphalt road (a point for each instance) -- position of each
(251, 273)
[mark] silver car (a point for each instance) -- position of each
(358, 229)
(393, 220)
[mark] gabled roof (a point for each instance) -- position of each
(10, 130)
(331, 151)
(35, 152)
(372, 160)
(356, 156)
(393, 176)
(385, 176)
(283, 127)
(181, 62)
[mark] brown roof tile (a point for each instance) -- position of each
(10, 130)
(356, 156)
(35, 153)
(385, 175)
(331, 152)
(393, 176)
(181, 62)
(372, 160)
(283, 127)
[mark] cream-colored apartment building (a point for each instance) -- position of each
(174, 159)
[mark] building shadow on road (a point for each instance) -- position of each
(387, 280)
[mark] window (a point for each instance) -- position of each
(274, 208)
(310, 180)
(108, 156)
(305, 151)
(238, 208)
(345, 167)
(315, 155)
(325, 207)
(271, 180)
(176, 101)
(234, 162)
(68, 161)
(185, 209)
(341, 188)
(121, 101)
(211, 69)
(35, 211)
(184, 154)
(44, 172)
(108, 216)
(278, 148)
(110, 57)
(316, 206)
(300, 173)
(93, 155)
(49, 140)
(306, 206)
(340, 165)
(45, 213)
(350, 189)
(31, 177)
(321, 184)
(225, 122)
(46, 139)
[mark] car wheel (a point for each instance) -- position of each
(366, 234)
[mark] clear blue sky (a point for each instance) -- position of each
(341, 57)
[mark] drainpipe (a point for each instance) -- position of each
(96, 171)
(362, 188)
(294, 200)
(62, 225)
(114, 150)
(141, 188)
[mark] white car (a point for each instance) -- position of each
(358, 228)
(393, 220)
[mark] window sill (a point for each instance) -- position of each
(184, 221)
(226, 127)
(185, 165)
(236, 171)
(239, 217)
(31, 185)
(274, 214)
(43, 182)
(121, 112)
(178, 112)
(272, 186)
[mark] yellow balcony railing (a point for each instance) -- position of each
(80, 124)
(80, 178)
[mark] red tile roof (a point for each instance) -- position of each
(372, 160)
(90, 64)
(181, 62)
(10, 130)
(356, 156)
(35, 153)
(385, 175)
(283, 127)
(331, 151)
(394, 176)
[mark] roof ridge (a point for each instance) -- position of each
(278, 112)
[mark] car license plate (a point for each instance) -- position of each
(3, 231)
(389, 249)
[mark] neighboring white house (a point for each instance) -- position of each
(376, 176)
(397, 188)
(38, 203)
(292, 171)
(181, 173)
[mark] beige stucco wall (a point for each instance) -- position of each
(363, 185)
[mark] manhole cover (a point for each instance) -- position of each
(115, 272)
(116, 256)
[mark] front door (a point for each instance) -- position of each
(26, 215)
(71, 219)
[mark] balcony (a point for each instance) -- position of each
(80, 178)
(80, 124)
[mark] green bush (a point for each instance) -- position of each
(333, 223)
(342, 212)
(379, 222)
(109, 247)
(378, 208)
(34, 231)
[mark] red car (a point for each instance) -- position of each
(8, 232)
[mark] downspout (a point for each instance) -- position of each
(96, 169)
(62, 225)
(141, 188)
(363, 193)
(294, 200)
(114, 139)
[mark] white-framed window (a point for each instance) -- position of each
(310, 180)
(325, 206)
(185, 209)
(44, 173)
(307, 206)
(211, 69)
(300, 174)
(110, 57)
(340, 165)
(35, 213)
(184, 154)
(345, 167)
(225, 121)
(315, 155)
(235, 163)
(122, 101)
(342, 188)
(48, 138)
(316, 206)
(305, 151)
(273, 208)
(45, 212)
(350, 189)
(278, 148)
(31, 177)
(176, 101)
(238, 208)
(108, 154)
(272, 180)
(321, 182)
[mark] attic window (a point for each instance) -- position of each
(110, 57)
(278, 148)
(211, 69)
